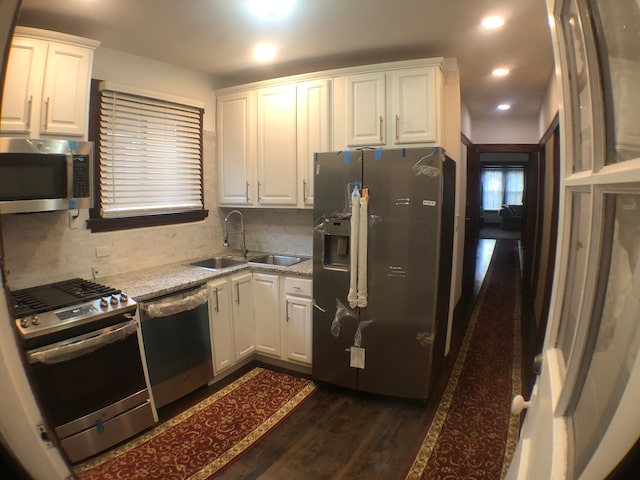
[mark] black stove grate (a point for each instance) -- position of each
(32, 301)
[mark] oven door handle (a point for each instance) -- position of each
(79, 346)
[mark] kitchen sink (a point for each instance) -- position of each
(216, 263)
(282, 260)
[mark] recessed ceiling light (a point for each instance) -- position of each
(493, 22)
(504, 106)
(264, 52)
(271, 8)
(500, 72)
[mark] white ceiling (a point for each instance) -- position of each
(217, 37)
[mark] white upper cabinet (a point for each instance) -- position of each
(47, 85)
(415, 105)
(276, 152)
(366, 109)
(313, 132)
(388, 108)
(270, 134)
(236, 133)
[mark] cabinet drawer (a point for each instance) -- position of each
(298, 286)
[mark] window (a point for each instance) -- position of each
(501, 186)
(149, 158)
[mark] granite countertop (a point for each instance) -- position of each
(165, 279)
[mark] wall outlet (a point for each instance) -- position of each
(104, 251)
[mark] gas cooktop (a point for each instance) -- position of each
(58, 310)
(32, 301)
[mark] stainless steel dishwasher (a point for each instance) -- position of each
(177, 344)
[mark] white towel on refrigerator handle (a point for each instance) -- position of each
(353, 264)
(362, 254)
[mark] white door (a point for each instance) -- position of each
(312, 131)
(221, 324)
(414, 96)
(23, 86)
(366, 109)
(65, 109)
(266, 298)
(236, 137)
(298, 328)
(583, 418)
(276, 150)
(243, 326)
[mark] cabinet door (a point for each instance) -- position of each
(414, 102)
(243, 325)
(313, 131)
(23, 86)
(298, 328)
(221, 325)
(236, 114)
(276, 149)
(266, 296)
(65, 92)
(366, 109)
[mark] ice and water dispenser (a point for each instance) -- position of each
(336, 239)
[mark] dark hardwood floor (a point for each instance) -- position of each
(340, 434)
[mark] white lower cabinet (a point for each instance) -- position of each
(221, 324)
(297, 326)
(242, 306)
(262, 313)
(266, 295)
(231, 320)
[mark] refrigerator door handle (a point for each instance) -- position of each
(381, 129)
(319, 307)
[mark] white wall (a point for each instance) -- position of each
(505, 129)
(43, 242)
(549, 108)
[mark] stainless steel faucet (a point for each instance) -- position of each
(241, 232)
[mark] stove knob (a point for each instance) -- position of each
(35, 320)
(104, 303)
(24, 322)
(124, 298)
(114, 300)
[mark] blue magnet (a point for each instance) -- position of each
(404, 152)
(100, 426)
(378, 153)
(347, 159)
(72, 203)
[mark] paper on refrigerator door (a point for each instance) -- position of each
(357, 357)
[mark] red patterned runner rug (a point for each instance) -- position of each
(199, 442)
(472, 434)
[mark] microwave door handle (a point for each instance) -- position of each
(74, 348)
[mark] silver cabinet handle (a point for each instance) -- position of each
(247, 190)
(217, 302)
(259, 185)
(287, 311)
(29, 108)
(46, 114)
(238, 291)
(381, 124)
(304, 190)
(397, 128)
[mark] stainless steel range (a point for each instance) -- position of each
(83, 345)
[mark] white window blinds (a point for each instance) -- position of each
(150, 156)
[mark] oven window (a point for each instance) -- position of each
(77, 387)
(31, 176)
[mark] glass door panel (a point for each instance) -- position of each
(614, 337)
(618, 25)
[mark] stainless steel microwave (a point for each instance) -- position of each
(40, 175)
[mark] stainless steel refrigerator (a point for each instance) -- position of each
(381, 283)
